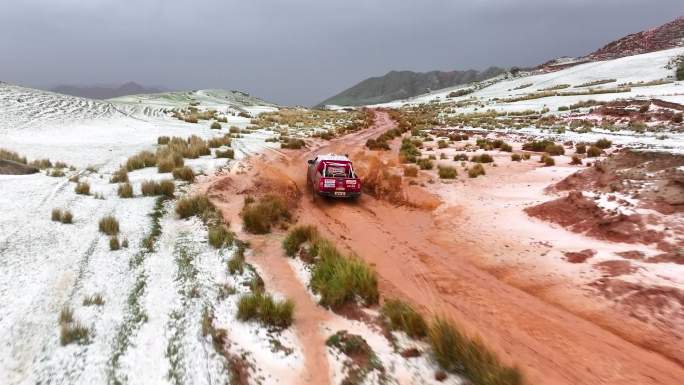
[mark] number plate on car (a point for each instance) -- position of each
(340, 193)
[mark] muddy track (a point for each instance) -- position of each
(431, 267)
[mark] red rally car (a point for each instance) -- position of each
(333, 175)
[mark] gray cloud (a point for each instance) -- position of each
(299, 51)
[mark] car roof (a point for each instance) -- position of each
(333, 157)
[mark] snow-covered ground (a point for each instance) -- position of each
(148, 330)
(639, 68)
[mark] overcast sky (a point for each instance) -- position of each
(297, 51)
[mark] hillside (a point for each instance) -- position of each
(105, 92)
(405, 84)
(669, 35)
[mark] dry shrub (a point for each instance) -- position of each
(141, 160)
(184, 173)
(219, 236)
(215, 126)
(109, 225)
(576, 160)
(153, 188)
(447, 172)
(229, 153)
(56, 215)
(82, 188)
(125, 190)
(163, 140)
(119, 176)
(476, 170)
(67, 217)
(411, 171)
(114, 243)
(516, 157)
(196, 205)
(11, 155)
(593, 152)
(258, 218)
(482, 158)
(547, 160)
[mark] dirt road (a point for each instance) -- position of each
(430, 266)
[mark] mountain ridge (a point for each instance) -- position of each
(404, 84)
(105, 92)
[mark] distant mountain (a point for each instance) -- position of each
(404, 84)
(105, 92)
(666, 36)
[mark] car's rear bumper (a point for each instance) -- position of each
(347, 194)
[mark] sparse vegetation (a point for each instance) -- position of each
(196, 205)
(482, 158)
(425, 164)
(258, 218)
(154, 188)
(292, 143)
(596, 83)
(447, 172)
(82, 188)
(184, 173)
(119, 176)
(109, 225)
(338, 279)
(581, 148)
(219, 236)
(457, 353)
(93, 300)
(57, 173)
(411, 171)
(228, 153)
(461, 157)
(516, 157)
(56, 215)
(476, 170)
(215, 126)
(67, 217)
(680, 70)
(125, 190)
(141, 160)
(13, 156)
(71, 331)
(576, 160)
(262, 307)
(603, 143)
(114, 243)
(401, 316)
(593, 152)
(163, 140)
(547, 160)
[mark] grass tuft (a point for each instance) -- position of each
(93, 300)
(447, 172)
(184, 173)
(82, 188)
(258, 218)
(401, 316)
(154, 188)
(125, 190)
(219, 236)
(298, 236)
(109, 225)
(265, 309)
(114, 243)
(476, 170)
(457, 353)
